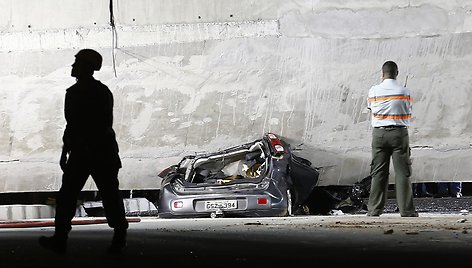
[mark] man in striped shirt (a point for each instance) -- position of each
(390, 105)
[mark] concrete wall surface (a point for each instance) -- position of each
(199, 75)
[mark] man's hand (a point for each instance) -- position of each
(63, 160)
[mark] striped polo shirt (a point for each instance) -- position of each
(390, 104)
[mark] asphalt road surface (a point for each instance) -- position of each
(435, 239)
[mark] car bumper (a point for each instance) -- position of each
(262, 204)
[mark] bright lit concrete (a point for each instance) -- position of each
(201, 75)
(139, 206)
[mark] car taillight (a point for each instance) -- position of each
(177, 204)
(262, 201)
(279, 148)
(276, 143)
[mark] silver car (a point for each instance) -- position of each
(259, 178)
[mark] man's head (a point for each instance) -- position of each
(86, 62)
(389, 70)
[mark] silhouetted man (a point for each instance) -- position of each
(89, 149)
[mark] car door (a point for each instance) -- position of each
(304, 178)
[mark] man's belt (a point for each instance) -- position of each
(391, 126)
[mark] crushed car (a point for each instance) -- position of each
(256, 179)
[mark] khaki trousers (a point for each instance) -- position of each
(390, 143)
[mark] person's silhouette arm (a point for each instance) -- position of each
(66, 148)
(67, 136)
(63, 160)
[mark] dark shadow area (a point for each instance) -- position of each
(259, 246)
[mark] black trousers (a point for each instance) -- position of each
(79, 167)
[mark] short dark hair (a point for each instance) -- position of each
(92, 58)
(390, 69)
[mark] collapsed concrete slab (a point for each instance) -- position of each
(190, 77)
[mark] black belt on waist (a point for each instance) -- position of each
(392, 126)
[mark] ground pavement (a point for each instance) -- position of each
(435, 239)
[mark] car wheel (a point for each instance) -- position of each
(289, 203)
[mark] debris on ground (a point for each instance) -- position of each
(335, 212)
(253, 223)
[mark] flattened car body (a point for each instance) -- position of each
(260, 178)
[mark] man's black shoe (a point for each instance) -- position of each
(414, 214)
(117, 248)
(118, 243)
(54, 243)
(370, 214)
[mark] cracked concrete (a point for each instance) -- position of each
(201, 76)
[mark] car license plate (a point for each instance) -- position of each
(221, 204)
